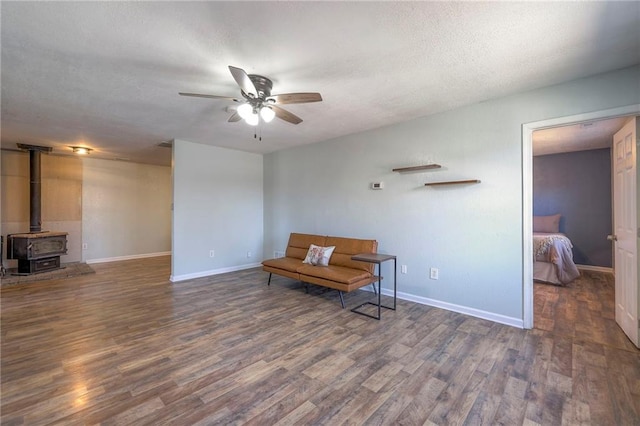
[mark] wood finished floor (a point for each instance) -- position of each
(126, 346)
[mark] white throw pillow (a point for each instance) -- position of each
(319, 255)
(313, 249)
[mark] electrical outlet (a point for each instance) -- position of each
(433, 273)
(403, 269)
(248, 254)
(212, 253)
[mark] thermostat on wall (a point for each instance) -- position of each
(377, 185)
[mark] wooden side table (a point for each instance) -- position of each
(377, 259)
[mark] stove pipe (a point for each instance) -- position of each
(35, 194)
(35, 219)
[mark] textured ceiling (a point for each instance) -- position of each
(107, 74)
(578, 137)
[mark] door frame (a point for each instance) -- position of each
(527, 191)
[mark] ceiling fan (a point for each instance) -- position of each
(258, 102)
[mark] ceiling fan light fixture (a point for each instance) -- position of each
(252, 119)
(267, 114)
(257, 103)
(245, 110)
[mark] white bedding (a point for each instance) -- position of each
(553, 258)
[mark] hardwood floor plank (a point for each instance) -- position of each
(295, 417)
(293, 406)
(126, 346)
(417, 412)
(249, 374)
(331, 400)
(112, 404)
(462, 389)
(329, 367)
(171, 414)
(390, 410)
(456, 411)
(134, 414)
(512, 406)
(45, 409)
(207, 416)
(599, 396)
(575, 413)
(270, 393)
(351, 410)
(624, 408)
(484, 409)
(381, 377)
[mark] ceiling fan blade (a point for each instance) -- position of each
(285, 115)
(198, 95)
(243, 80)
(296, 98)
(234, 117)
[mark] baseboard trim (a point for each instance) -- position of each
(477, 313)
(595, 268)
(134, 256)
(184, 277)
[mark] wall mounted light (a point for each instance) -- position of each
(81, 150)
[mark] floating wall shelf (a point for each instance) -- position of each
(453, 182)
(416, 168)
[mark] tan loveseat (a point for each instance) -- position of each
(342, 273)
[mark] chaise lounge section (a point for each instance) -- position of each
(342, 273)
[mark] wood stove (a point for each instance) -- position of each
(38, 250)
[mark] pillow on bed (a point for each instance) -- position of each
(549, 224)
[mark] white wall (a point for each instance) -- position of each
(218, 205)
(472, 233)
(126, 210)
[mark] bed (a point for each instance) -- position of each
(552, 252)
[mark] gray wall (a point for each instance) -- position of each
(578, 186)
(217, 196)
(472, 233)
(126, 210)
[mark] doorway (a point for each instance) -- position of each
(527, 191)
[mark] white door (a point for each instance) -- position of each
(626, 230)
